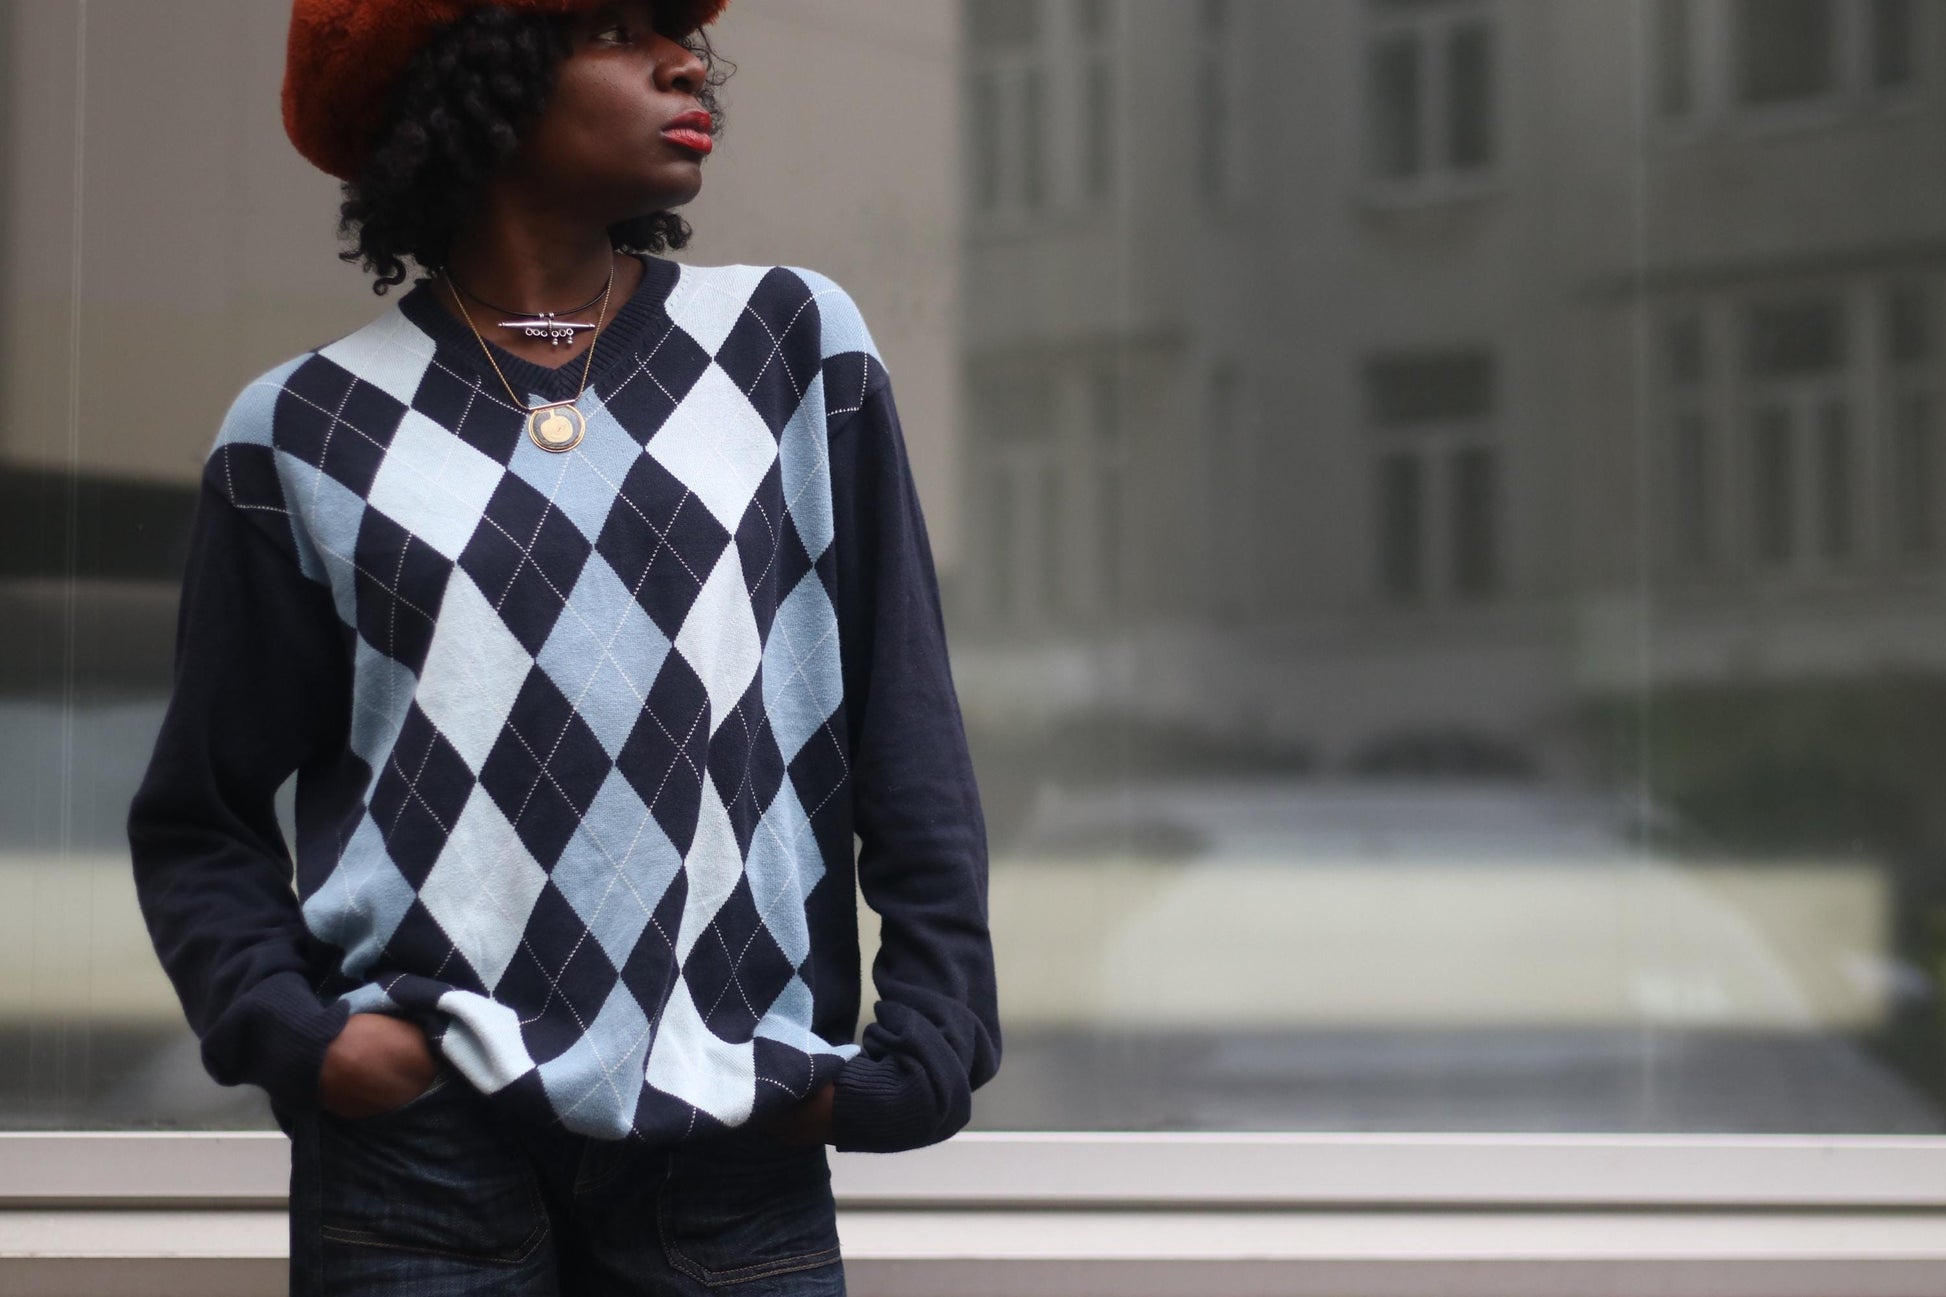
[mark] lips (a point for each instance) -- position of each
(690, 130)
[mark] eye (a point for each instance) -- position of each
(611, 28)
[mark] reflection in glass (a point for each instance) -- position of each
(1566, 759)
(1566, 753)
(1786, 49)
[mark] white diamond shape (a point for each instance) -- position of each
(433, 484)
(483, 887)
(719, 637)
(473, 671)
(717, 445)
(712, 867)
(391, 353)
(693, 1063)
(707, 301)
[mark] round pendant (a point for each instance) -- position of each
(556, 427)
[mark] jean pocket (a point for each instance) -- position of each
(742, 1210)
(436, 1174)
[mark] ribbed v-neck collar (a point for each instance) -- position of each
(617, 346)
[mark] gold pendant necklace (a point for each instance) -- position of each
(558, 425)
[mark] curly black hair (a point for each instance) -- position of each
(456, 114)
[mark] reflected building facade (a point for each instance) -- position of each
(1415, 384)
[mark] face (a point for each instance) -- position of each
(624, 132)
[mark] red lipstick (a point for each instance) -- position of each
(690, 130)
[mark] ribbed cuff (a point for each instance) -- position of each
(882, 1105)
(290, 1030)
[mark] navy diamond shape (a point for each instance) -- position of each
(419, 795)
(666, 753)
(760, 534)
(470, 410)
(328, 417)
(560, 971)
(545, 768)
(662, 542)
(746, 764)
(399, 582)
(525, 556)
(645, 396)
(772, 351)
(420, 942)
(736, 968)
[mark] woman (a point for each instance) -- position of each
(589, 598)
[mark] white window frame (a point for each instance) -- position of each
(1137, 1214)
(1431, 23)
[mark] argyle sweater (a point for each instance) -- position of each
(582, 740)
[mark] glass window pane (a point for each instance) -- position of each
(1673, 55)
(1469, 82)
(1788, 339)
(1441, 387)
(1908, 326)
(1099, 150)
(1692, 490)
(1915, 481)
(1475, 523)
(1395, 106)
(1401, 525)
(1031, 121)
(1683, 354)
(1785, 49)
(1002, 24)
(1895, 43)
(1835, 481)
(1774, 486)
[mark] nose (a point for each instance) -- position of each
(677, 67)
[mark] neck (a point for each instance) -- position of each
(533, 259)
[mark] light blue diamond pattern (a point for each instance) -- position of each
(361, 904)
(803, 677)
(603, 653)
(806, 470)
(596, 1084)
(783, 866)
(617, 868)
(584, 482)
(252, 415)
(331, 514)
(381, 692)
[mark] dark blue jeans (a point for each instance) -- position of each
(437, 1199)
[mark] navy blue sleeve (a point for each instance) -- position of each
(259, 686)
(922, 857)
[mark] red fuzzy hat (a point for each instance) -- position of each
(344, 56)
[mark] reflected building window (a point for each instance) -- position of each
(1437, 496)
(1911, 412)
(1798, 412)
(1006, 97)
(1094, 32)
(1043, 110)
(1832, 468)
(1231, 461)
(1218, 103)
(1430, 93)
(1789, 57)
(1692, 458)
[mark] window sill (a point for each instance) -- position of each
(1132, 1213)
